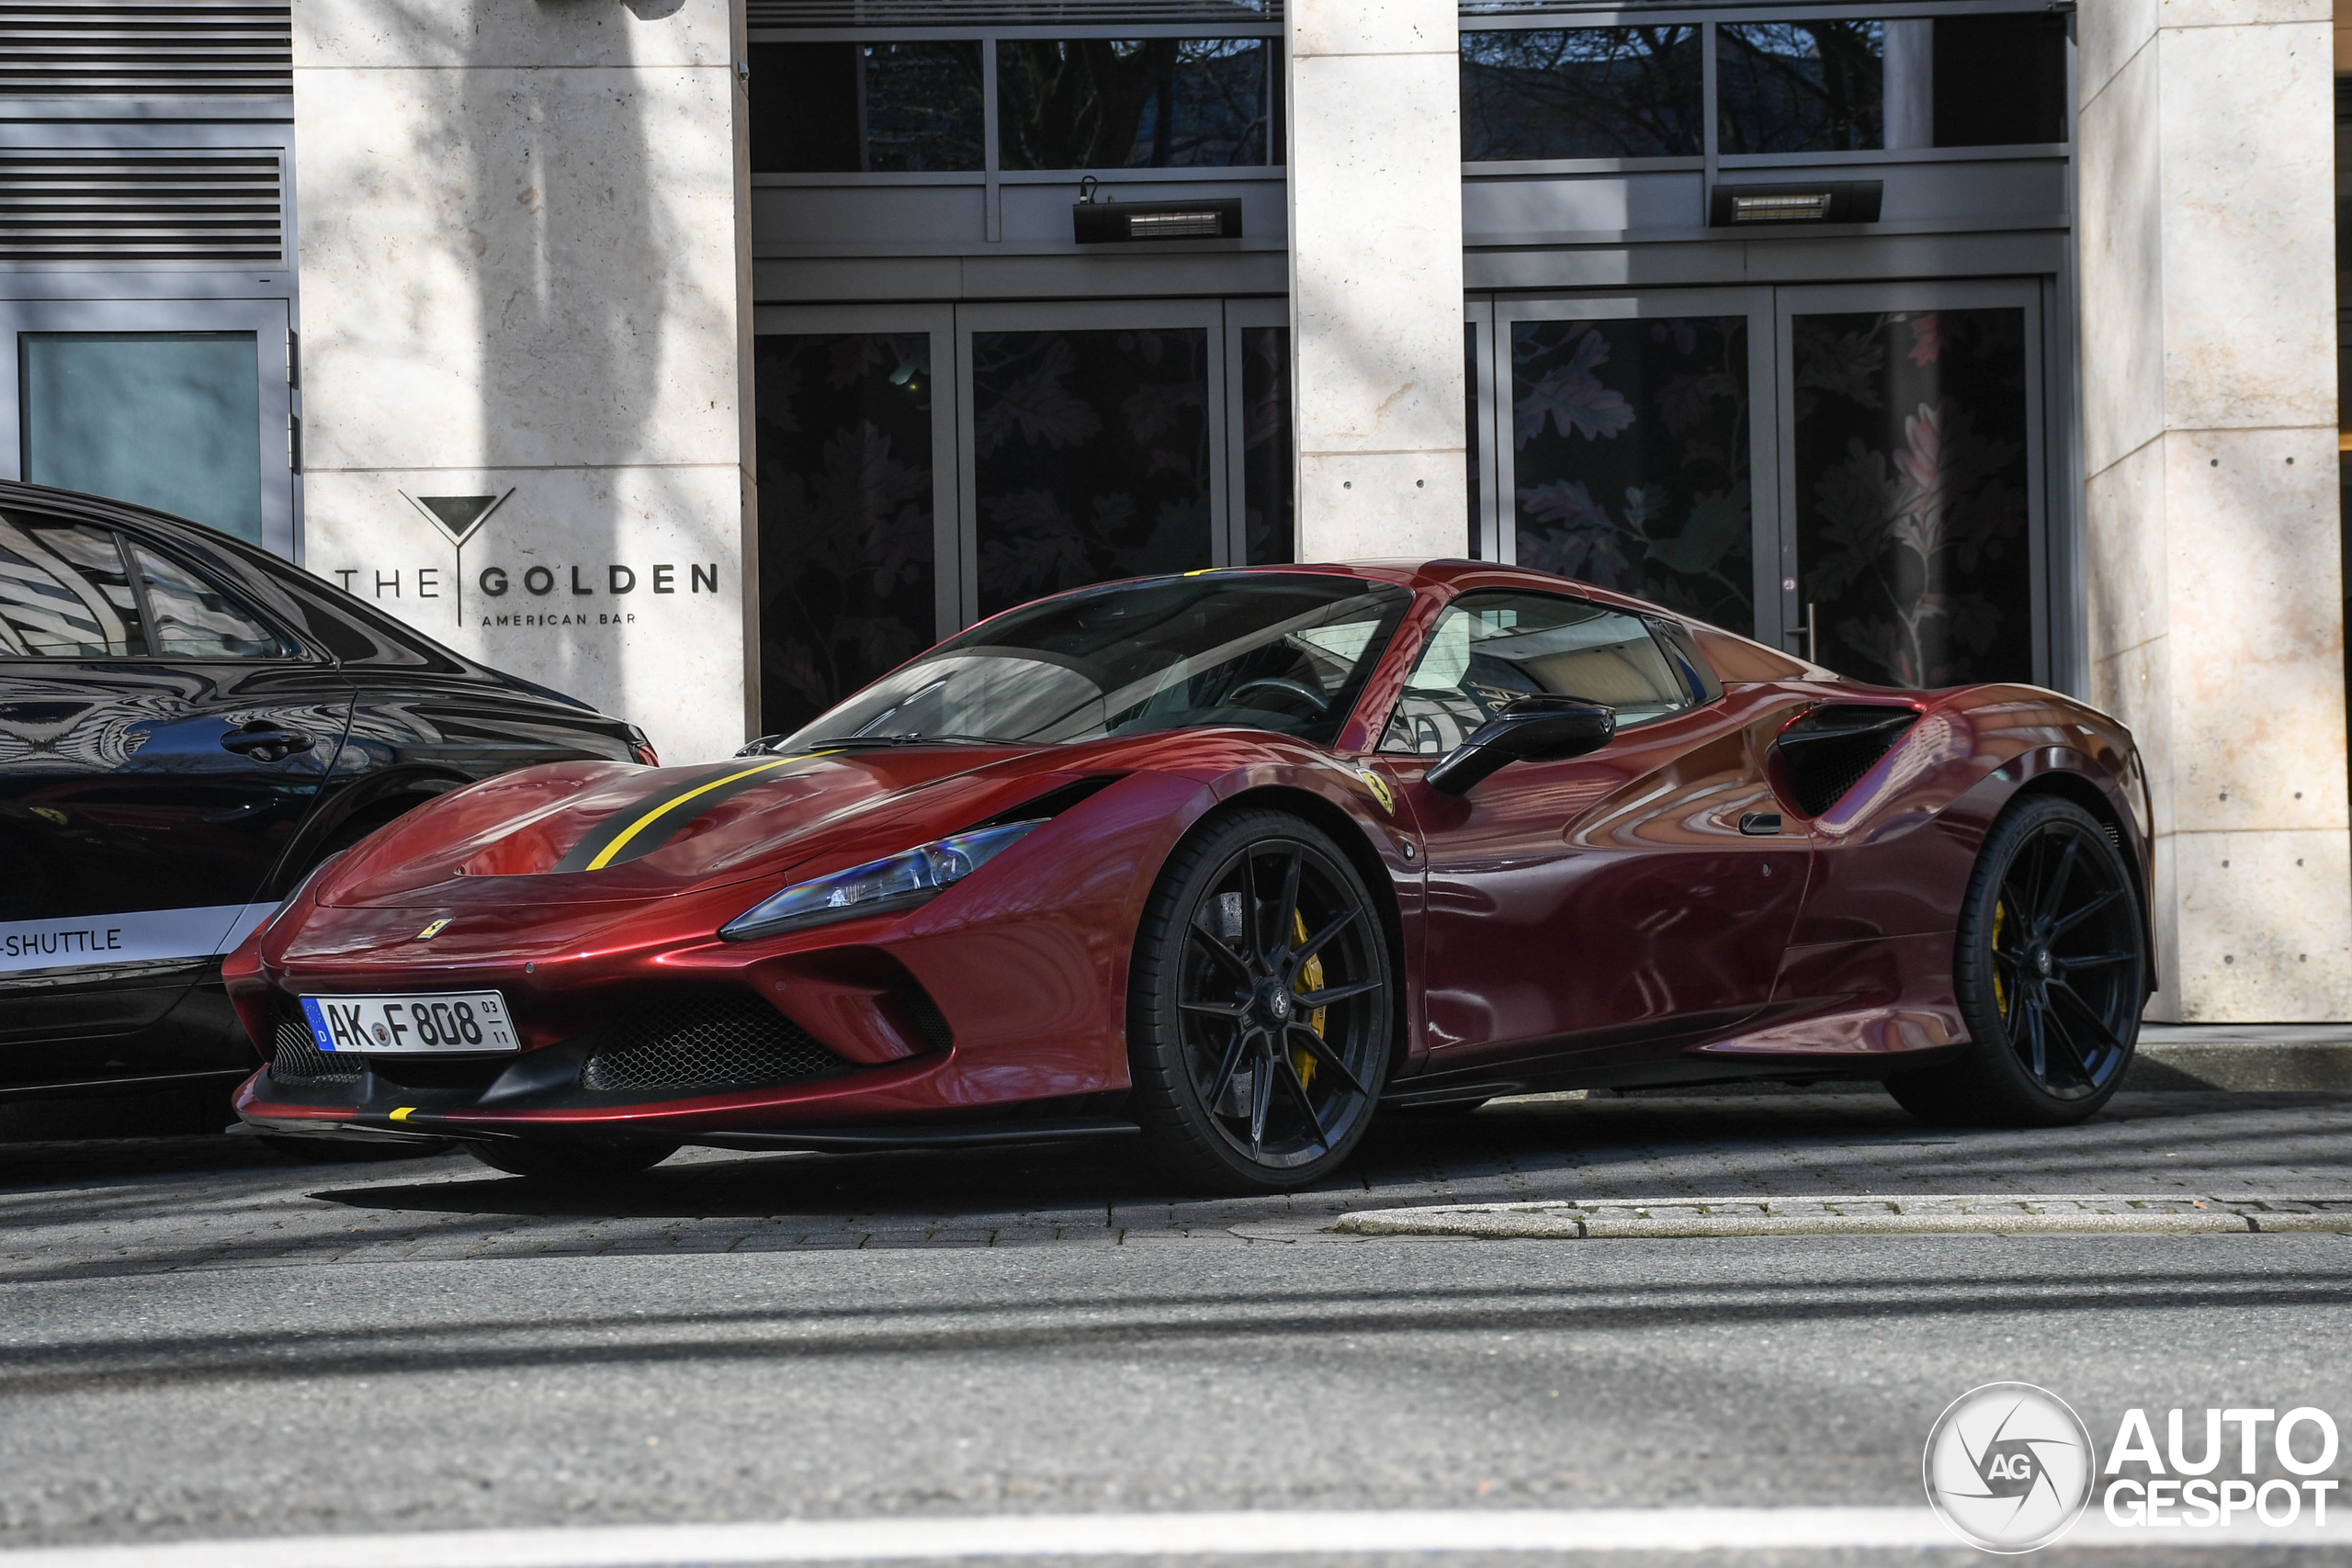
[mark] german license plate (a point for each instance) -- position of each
(451, 1021)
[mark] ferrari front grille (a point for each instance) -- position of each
(295, 1057)
(714, 1043)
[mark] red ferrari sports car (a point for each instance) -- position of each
(1234, 860)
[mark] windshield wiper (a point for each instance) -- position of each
(842, 743)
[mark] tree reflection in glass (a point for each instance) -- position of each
(1133, 103)
(1800, 87)
(1581, 93)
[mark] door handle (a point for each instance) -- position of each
(267, 742)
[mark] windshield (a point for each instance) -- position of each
(1282, 651)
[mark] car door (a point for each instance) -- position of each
(1641, 894)
(160, 743)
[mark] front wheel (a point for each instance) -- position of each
(2050, 968)
(583, 1163)
(1261, 1007)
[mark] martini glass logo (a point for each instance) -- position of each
(459, 518)
(2010, 1467)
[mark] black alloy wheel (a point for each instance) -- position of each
(1260, 1012)
(585, 1163)
(2050, 968)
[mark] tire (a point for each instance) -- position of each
(584, 1163)
(2050, 967)
(1238, 1087)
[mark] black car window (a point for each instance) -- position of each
(195, 620)
(64, 591)
(1490, 649)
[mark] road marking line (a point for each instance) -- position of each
(1320, 1533)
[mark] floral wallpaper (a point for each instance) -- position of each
(1630, 442)
(1911, 486)
(1090, 457)
(846, 501)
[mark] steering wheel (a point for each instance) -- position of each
(1296, 688)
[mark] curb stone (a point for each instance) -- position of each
(1862, 1215)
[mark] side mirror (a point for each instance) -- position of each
(1533, 729)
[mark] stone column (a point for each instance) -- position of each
(1375, 276)
(2207, 180)
(525, 368)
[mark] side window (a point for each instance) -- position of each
(1489, 649)
(193, 620)
(64, 592)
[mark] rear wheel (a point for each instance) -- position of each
(2051, 972)
(573, 1162)
(1260, 1010)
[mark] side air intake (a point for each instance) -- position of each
(295, 1057)
(1827, 751)
(714, 1043)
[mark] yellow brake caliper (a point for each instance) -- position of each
(2000, 992)
(1310, 979)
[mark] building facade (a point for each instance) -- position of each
(706, 358)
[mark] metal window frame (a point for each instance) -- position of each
(946, 421)
(270, 321)
(1242, 314)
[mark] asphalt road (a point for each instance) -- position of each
(199, 1340)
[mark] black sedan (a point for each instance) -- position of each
(188, 727)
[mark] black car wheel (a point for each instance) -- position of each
(586, 1163)
(2051, 972)
(1260, 1014)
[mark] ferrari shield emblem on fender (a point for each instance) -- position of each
(1379, 787)
(429, 933)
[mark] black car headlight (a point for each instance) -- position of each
(896, 881)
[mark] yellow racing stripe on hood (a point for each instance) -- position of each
(603, 857)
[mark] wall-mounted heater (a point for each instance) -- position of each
(1823, 201)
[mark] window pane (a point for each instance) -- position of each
(193, 621)
(1581, 93)
(1133, 104)
(1801, 87)
(1630, 448)
(1490, 649)
(846, 506)
(866, 108)
(2000, 80)
(1090, 457)
(1911, 485)
(63, 593)
(167, 420)
(1266, 490)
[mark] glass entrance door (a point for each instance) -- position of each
(920, 466)
(1851, 472)
(1912, 490)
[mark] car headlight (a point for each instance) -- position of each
(897, 881)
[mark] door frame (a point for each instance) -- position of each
(268, 320)
(1232, 541)
(1094, 315)
(1957, 294)
(1755, 303)
(946, 387)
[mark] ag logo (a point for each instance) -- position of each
(2010, 1467)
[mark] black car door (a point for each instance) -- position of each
(161, 744)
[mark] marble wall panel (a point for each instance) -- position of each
(2247, 139)
(2121, 259)
(583, 579)
(1375, 225)
(548, 33)
(2256, 630)
(2123, 545)
(2105, 36)
(2262, 923)
(508, 267)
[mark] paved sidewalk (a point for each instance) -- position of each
(158, 1206)
(1978, 1213)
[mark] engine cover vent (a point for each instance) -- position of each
(713, 1043)
(1827, 751)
